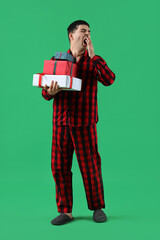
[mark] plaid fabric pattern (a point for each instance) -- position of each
(84, 140)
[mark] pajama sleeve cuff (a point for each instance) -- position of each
(46, 95)
(95, 59)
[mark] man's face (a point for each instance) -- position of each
(78, 37)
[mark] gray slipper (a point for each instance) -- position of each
(61, 219)
(99, 216)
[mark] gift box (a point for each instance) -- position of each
(58, 67)
(65, 56)
(64, 81)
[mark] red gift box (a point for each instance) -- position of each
(54, 67)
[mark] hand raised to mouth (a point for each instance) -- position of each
(90, 47)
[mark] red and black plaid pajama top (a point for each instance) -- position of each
(75, 115)
(79, 108)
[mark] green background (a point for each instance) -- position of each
(125, 34)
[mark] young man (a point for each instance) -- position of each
(75, 115)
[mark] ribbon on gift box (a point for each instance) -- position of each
(70, 82)
(42, 74)
(55, 63)
(54, 71)
(65, 56)
(40, 79)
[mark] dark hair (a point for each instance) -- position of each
(74, 25)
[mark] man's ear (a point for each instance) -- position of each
(70, 36)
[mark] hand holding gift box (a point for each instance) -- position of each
(53, 89)
(64, 81)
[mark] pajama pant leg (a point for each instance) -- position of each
(61, 163)
(84, 141)
(86, 149)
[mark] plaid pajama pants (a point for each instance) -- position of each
(83, 140)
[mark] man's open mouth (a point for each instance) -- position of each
(84, 41)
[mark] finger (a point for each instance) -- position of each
(51, 86)
(88, 40)
(45, 87)
(55, 85)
